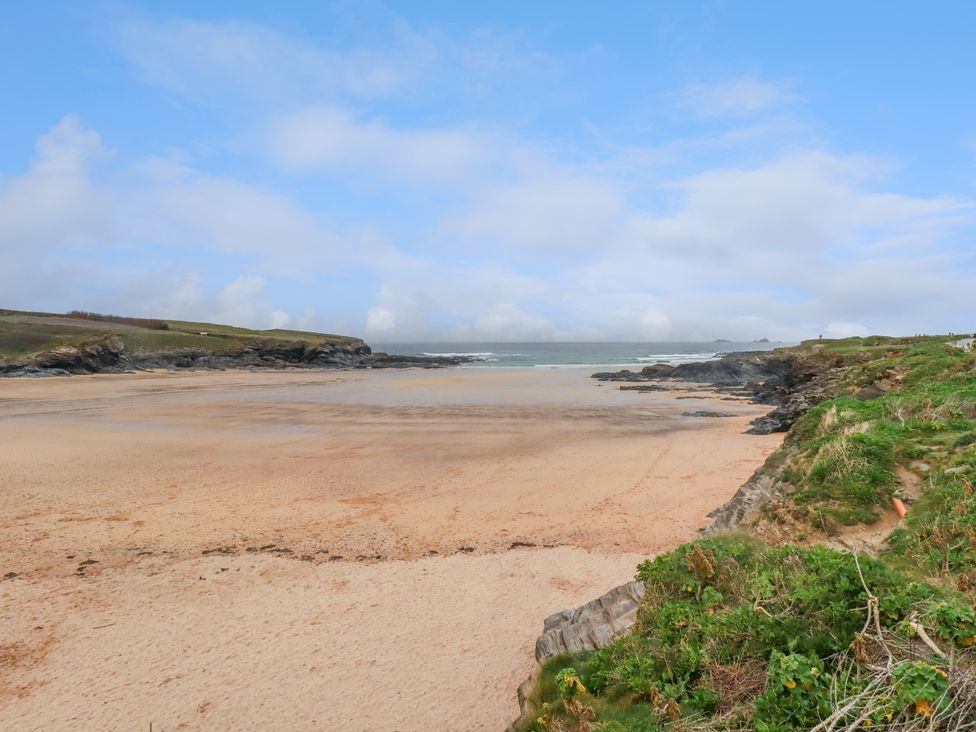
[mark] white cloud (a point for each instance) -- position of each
(505, 322)
(470, 230)
(118, 246)
(739, 96)
(198, 210)
(55, 201)
(280, 318)
(547, 213)
(240, 301)
(380, 320)
(370, 54)
(199, 58)
(243, 301)
(68, 147)
(846, 330)
(786, 220)
(655, 325)
(327, 138)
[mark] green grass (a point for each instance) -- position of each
(734, 634)
(940, 533)
(841, 457)
(23, 334)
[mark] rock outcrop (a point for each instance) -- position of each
(781, 378)
(764, 484)
(731, 369)
(102, 356)
(109, 355)
(590, 626)
(586, 628)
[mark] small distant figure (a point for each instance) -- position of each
(821, 336)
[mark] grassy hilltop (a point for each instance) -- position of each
(25, 333)
(777, 625)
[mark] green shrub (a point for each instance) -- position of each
(798, 696)
(735, 603)
(963, 440)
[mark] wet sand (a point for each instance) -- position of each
(326, 550)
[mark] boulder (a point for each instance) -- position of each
(586, 628)
(590, 626)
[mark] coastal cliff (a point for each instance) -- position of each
(823, 602)
(42, 344)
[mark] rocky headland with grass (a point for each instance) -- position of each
(48, 344)
(834, 591)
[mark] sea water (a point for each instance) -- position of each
(574, 355)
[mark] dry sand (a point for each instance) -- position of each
(326, 550)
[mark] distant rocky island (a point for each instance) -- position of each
(50, 344)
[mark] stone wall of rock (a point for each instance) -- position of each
(590, 626)
(585, 628)
(766, 483)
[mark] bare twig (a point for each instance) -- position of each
(923, 636)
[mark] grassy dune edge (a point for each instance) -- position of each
(822, 609)
(26, 333)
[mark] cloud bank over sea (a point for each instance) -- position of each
(471, 180)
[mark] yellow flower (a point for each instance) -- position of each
(923, 707)
(940, 672)
(868, 723)
(789, 684)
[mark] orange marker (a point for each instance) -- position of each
(899, 507)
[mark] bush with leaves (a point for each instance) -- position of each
(733, 604)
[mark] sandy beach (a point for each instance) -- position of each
(327, 550)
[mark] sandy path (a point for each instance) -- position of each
(145, 474)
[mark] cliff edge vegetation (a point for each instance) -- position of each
(811, 604)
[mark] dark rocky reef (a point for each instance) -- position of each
(110, 355)
(731, 369)
(382, 360)
(783, 378)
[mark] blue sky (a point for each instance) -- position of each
(518, 171)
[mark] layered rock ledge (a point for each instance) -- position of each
(110, 355)
(588, 627)
(781, 378)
